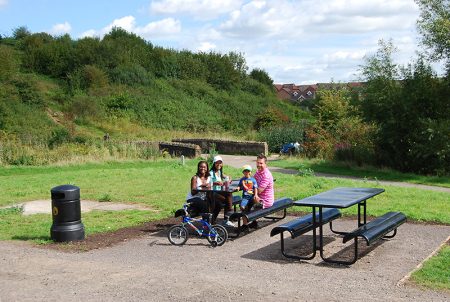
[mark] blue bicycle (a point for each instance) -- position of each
(178, 234)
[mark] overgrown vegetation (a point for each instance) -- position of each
(61, 93)
(57, 93)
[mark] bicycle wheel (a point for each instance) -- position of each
(177, 235)
(217, 234)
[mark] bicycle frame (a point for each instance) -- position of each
(188, 221)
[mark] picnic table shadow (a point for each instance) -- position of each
(333, 249)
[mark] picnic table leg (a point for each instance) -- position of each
(363, 204)
(314, 243)
(329, 260)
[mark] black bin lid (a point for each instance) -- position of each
(65, 192)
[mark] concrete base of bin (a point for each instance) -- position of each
(68, 231)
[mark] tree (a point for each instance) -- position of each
(261, 76)
(239, 63)
(434, 26)
(21, 32)
(410, 107)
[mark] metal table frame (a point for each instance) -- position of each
(339, 198)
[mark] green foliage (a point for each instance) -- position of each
(119, 102)
(8, 62)
(318, 143)
(411, 114)
(254, 87)
(165, 63)
(120, 47)
(59, 137)
(262, 76)
(27, 90)
(130, 75)
(87, 77)
(21, 32)
(222, 72)
(434, 25)
(338, 120)
(271, 117)
(83, 107)
(277, 136)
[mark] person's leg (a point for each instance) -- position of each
(198, 206)
(249, 204)
(226, 200)
(228, 206)
(215, 206)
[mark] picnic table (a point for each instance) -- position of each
(325, 208)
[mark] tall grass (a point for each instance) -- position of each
(38, 154)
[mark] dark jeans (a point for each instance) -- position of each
(219, 200)
(197, 206)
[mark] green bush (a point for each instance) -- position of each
(86, 77)
(8, 62)
(254, 87)
(271, 117)
(59, 137)
(27, 90)
(276, 137)
(131, 75)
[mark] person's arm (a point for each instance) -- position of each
(255, 196)
(262, 185)
(194, 185)
(215, 183)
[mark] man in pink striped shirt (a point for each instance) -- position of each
(265, 182)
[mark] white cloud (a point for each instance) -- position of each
(206, 46)
(164, 27)
(3, 3)
(168, 26)
(201, 9)
(263, 19)
(60, 29)
(344, 55)
(260, 19)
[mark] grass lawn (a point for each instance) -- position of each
(367, 172)
(435, 272)
(163, 185)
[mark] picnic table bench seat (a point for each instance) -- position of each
(236, 201)
(378, 227)
(279, 205)
(374, 230)
(302, 225)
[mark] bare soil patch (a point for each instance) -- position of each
(103, 240)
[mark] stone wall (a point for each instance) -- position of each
(228, 147)
(178, 149)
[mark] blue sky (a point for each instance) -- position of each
(301, 42)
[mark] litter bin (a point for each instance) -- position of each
(66, 213)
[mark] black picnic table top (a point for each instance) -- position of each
(339, 197)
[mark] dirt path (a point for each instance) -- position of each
(238, 161)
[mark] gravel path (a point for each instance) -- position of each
(250, 268)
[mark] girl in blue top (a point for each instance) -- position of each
(220, 199)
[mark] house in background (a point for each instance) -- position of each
(299, 93)
(295, 93)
